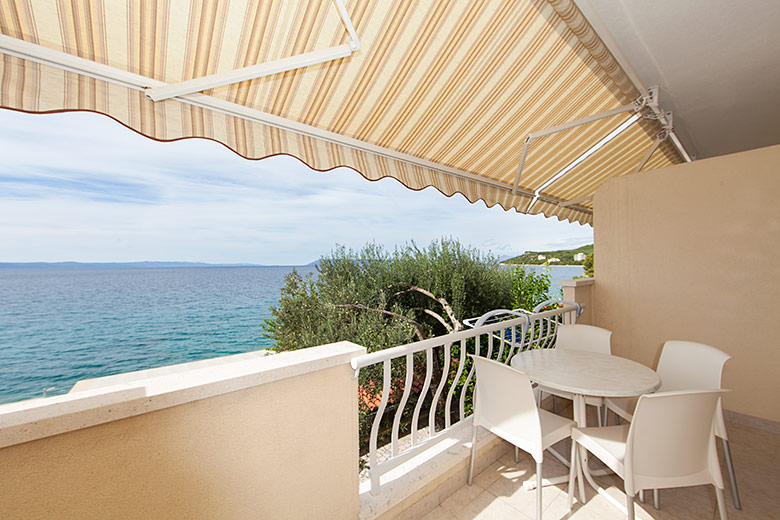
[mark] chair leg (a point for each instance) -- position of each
(572, 470)
(580, 474)
(598, 415)
(721, 503)
(642, 495)
(732, 476)
(630, 506)
(539, 487)
(473, 453)
(517, 455)
(555, 404)
(656, 499)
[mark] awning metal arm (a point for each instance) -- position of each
(636, 106)
(252, 72)
(661, 137)
(667, 122)
(262, 69)
(574, 202)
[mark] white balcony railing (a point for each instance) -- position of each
(441, 397)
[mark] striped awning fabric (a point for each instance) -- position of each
(441, 93)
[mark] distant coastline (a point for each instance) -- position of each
(554, 264)
(568, 257)
(127, 265)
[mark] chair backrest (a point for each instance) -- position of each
(686, 365)
(671, 443)
(583, 337)
(504, 404)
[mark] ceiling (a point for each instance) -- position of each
(717, 63)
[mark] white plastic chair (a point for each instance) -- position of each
(670, 443)
(687, 365)
(504, 404)
(584, 338)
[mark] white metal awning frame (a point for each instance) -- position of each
(63, 61)
(649, 101)
(163, 92)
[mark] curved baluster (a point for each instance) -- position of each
(372, 455)
(439, 389)
(404, 398)
(448, 405)
(418, 406)
(477, 340)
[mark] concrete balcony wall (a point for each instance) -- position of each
(273, 437)
(692, 252)
(580, 290)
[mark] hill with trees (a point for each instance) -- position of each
(564, 257)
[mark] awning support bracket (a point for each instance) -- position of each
(260, 70)
(665, 132)
(637, 106)
(593, 149)
(575, 202)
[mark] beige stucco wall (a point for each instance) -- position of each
(693, 252)
(286, 449)
(580, 290)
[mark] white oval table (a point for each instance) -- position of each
(586, 374)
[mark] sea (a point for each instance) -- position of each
(59, 326)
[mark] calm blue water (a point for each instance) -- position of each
(558, 273)
(59, 326)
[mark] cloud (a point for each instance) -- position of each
(82, 187)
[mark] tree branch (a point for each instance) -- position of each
(435, 315)
(418, 328)
(445, 305)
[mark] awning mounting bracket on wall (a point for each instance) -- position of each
(260, 70)
(640, 103)
(666, 130)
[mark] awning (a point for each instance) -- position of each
(432, 93)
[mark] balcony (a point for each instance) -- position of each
(682, 252)
(277, 437)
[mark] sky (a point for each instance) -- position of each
(81, 187)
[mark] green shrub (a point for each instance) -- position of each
(529, 288)
(379, 299)
(588, 265)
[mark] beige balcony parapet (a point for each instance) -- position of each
(271, 437)
(131, 377)
(580, 290)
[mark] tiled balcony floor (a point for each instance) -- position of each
(498, 491)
